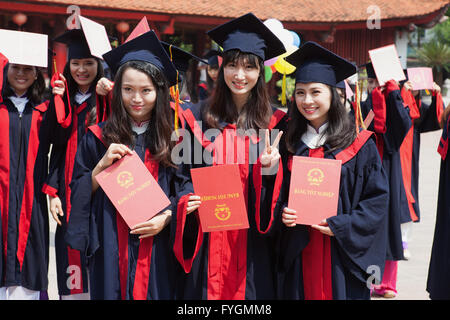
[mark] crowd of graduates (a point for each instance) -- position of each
(51, 150)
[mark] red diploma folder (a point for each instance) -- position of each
(132, 190)
(314, 188)
(223, 203)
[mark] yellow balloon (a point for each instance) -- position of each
(281, 65)
(284, 67)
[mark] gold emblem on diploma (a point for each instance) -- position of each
(315, 177)
(125, 179)
(222, 212)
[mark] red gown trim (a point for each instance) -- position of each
(4, 174)
(73, 256)
(28, 196)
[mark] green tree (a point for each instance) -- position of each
(442, 30)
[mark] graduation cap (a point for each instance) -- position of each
(212, 56)
(147, 48)
(180, 58)
(370, 70)
(340, 84)
(249, 35)
(77, 45)
(402, 82)
(316, 64)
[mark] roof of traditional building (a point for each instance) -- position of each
(311, 11)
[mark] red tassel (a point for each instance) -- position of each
(63, 119)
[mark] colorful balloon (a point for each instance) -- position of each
(284, 67)
(286, 37)
(296, 38)
(273, 24)
(270, 61)
(268, 73)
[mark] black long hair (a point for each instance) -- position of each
(34, 93)
(117, 128)
(255, 114)
(341, 131)
(209, 81)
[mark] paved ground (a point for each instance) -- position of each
(412, 274)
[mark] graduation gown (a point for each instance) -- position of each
(438, 281)
(120, 265)
(203, 92)
(391, 123)
(235, 264)
(312, 265)
(70, 264)
(425, 118)
(24, 145)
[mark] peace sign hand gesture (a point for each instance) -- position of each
(270, 155)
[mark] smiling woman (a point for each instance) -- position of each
(313, 101)
(241, 76)
(330, 260)
(138, 263)
(21, 77)
(74, 88)
(138, 94)
(239, 102)
(84, 71)
(26, 132)
(25, 79)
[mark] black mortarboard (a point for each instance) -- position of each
(340, 84)
(147, 48)
(249, 35)
(77, 45)
(370, 70)
(180, 58)
(402, 82)
(212, 57)
(316, 64)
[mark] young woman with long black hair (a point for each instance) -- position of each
(136, 263)
(74, 106)
(26, 133)
(332, 259)
(236, 264)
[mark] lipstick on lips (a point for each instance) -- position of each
(239, 85)
(309, 110)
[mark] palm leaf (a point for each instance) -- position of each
(435, 55)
